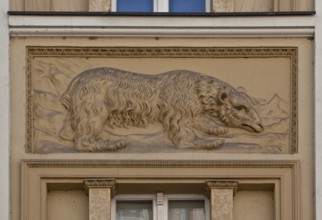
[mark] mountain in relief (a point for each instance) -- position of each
(275, 108)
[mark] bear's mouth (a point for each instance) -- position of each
(253, 127)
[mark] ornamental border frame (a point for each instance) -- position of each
(166, 52)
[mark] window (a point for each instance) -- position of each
(132, 210)
(134, 6)
(160, 207)
(187, 209)
(161, 5)
(187, 6)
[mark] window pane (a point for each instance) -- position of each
(186, 210)
(134, 210)
(187, 6)
(134, 6)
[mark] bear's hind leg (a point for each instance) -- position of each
(88, 127)
(99, 145)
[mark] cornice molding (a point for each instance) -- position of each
(160, 163)
(162, 26)
(207, 32)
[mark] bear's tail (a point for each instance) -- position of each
(66, 100)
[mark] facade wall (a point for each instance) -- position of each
(25, 33)
(317, 113)
(4, 173)
(304, 90)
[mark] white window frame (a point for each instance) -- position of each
(133, 197)
(153, 198)
(158, 5)
(186, 197)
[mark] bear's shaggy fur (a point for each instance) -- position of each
(183, 102)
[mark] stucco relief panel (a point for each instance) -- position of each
(162, 100)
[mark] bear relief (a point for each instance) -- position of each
(187, 104)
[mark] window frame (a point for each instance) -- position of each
(156, 206)
(134, 197)
(160, 6)
(186, 197)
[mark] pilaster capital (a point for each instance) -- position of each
(100, 183)
(221, 184)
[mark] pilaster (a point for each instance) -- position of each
(99, 5)
(221, 195)
(100, 192)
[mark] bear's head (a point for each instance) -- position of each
(236, 110)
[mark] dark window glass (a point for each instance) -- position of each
(187, 6)
(134, 6)
(186, 210)
(134, 210)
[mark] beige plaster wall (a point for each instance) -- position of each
(67, 204)
(253, 205)
(305, 116)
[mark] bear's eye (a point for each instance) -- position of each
(241, 108)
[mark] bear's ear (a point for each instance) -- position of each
(222, 97)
